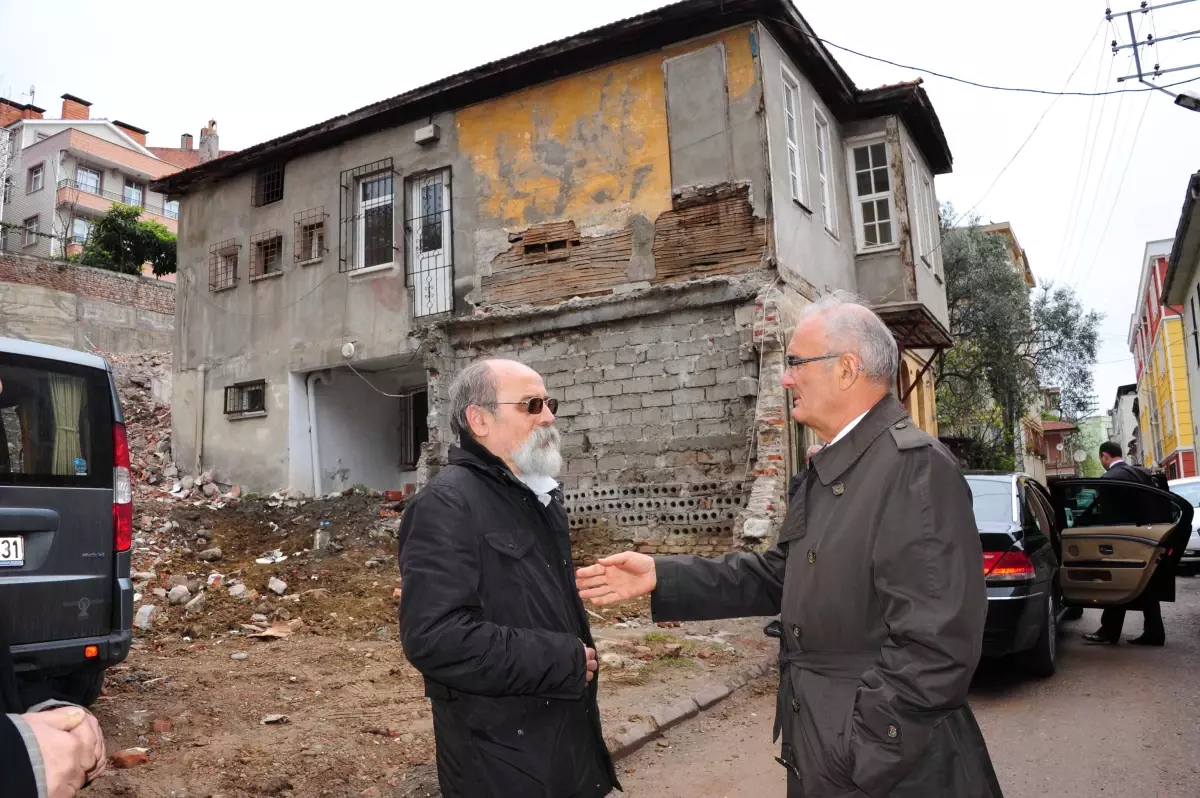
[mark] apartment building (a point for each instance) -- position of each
(1156, 339)
(62, 173)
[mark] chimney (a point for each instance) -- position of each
(135, 133)
(31, 111)
(185, 142)
(10, 112)
(209, 144)
(75, 108)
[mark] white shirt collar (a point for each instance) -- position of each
(846, 429)
(1115, 460)
(541, 485)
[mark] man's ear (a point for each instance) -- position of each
(479, 420)
(849, 369)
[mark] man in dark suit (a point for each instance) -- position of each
(1113, 618)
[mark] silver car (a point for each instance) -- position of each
(1189, 489)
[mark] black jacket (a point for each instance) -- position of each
(16, 771)
(492, 620)
(1129, 473)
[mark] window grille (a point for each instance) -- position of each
(266, 254)
(268, 185)
(366, 219)
(308, 235)
(222, 265)
(430, 238)
(246, 397)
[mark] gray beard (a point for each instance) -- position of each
(539, 455)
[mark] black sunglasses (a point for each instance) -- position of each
(534, 405)
(792, 360)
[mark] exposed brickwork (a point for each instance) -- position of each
(656, 418)
(139, 292)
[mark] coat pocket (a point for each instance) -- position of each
(509, 541)
(825, 719)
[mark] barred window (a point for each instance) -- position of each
(246, 397)
(309, 235)
(367, 218)
(223, 265)
(268, 185)
(266, 254)
(430, 259)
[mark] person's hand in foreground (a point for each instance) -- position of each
(71, 745)
(617, 578)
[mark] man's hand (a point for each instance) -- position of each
(617, 578)
(67, 757)
(88, 732)
(589, 657)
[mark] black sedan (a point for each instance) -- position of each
(1016, 527)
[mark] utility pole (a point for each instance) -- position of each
(1185, 99)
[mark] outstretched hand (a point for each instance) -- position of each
(617, 578)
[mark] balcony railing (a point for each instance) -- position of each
(88, 188)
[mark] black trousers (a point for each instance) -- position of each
(1113, 618)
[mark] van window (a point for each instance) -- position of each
(55, 424)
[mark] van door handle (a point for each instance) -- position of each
(1106, 549)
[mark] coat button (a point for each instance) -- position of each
(796, 631)
(812, 556)
(521, 733)
(795, 705)
(838, 489)
(893, 732)
(902, 425)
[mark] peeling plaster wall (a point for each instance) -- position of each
(596, 150)
(659, 397)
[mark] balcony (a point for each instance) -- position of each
(89, 196)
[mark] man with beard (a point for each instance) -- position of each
(876, 575)
(490, 615)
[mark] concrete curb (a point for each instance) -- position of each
(670, 715)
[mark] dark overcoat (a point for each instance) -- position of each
(492, 619)
(878, 577)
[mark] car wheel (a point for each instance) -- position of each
(82, 686)
(1041, 659)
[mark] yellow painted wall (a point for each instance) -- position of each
(1165, 383)
(922, 400)
(590, 147)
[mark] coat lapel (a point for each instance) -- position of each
(834, 461)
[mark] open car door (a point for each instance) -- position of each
(1115, 537)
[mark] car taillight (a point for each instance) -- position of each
(1009, 566)
(122, 491)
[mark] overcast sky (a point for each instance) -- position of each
(262, 69)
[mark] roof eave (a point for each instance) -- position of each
(1185, 250)
(911, 103)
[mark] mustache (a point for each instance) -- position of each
(542, 437)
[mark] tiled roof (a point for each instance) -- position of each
(184, 159)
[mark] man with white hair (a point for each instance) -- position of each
(877, 575)
(491, 617)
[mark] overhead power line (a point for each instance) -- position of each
(968, 82)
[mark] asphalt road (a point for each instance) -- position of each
(1114, 721)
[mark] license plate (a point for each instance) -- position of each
(12, 552)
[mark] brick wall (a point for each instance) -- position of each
(128, 290)
(654, 420)
(57, 303)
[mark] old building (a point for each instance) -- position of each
(1156, 339)
(1181, 288)
(639, 212)
(62, 173)
(1122, 418)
